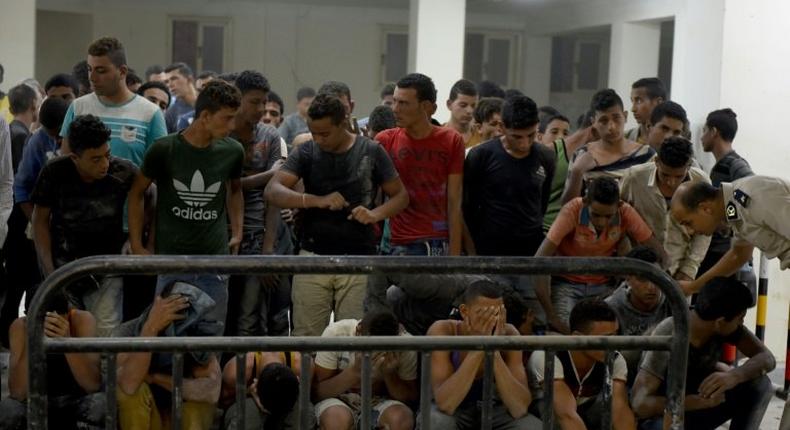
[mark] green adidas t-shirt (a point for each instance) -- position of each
(191, 190)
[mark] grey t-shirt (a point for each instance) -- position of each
(292, 126)
(260, 156)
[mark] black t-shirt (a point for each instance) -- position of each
(731, 167)
(356, 174)
(506, 198)
(19, 135)
(87, 218)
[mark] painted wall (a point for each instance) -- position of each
(17, 40)
(62, 39)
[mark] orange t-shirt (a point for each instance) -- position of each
(575, 236)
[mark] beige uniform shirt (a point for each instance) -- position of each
(640, 190)
(758, 212)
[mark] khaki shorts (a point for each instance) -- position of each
(353, 402)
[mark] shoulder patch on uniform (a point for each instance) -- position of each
(741, 198)
(732, 211)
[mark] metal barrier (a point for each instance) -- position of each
(39, 345)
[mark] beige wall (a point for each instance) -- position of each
(62, 39)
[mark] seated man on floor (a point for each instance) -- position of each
(715, 393)
(578, 400)
(73, 380)
(457, 376)
(338, 375)
(272, 380)
(144, 378)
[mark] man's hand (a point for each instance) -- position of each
(56, 325)
(163, 312)
(483, 321)
(363, 215)
(333, 202)
(138, 250)
(386, 362)
(233, 244)
(716, 384)
(288, 215)
(499, 329)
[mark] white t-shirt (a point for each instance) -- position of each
(537, 361)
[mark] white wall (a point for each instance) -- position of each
(62, 39)
(17, 40)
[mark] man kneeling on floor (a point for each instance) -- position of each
(715, 393)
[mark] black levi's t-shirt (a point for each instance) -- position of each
(506, 197)
(356, 175)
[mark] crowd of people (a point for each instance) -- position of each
(102, 161)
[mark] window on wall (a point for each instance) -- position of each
(395, 55)
(577, 64)
(200, 43)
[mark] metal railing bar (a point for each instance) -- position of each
(606, 418)
(548, 391)
(426, 391)
(367, 388)
(305, 378)
(241, 388)
(488, 391)
(178, 387)
(109, 363)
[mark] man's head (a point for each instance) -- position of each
(62, 86)
(519, 315)
(723, 302)
(386, 95)
(667, 120)
(610, 115)
(155, 73)
(593, 317)
(341, 91)
(552, 128)
(277, 389)
(480, 295)
(720, 126)
(273, 114)
(133, 82)
(415, 100)
(107, 66)
(646, 94)
(520, 117)
(90, 148)
(254, 90)
(382, 118)
(157, 93)
(52, 114)
(203, 78)
(326, 120)
(673, 162)
(304, 97)
(490, 89)
(180, 79)
(488, 118)
(81, 74)
(22, 101)
(462, 102)
(381, 322)
(603, 201)
(547, 111)
(641, 291)
(697, 207)
(215, 108)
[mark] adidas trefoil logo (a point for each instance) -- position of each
(196, 196)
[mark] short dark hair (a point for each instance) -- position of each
(381, 118)
(653, 87)
(132, 78)
(519, 112)
(723, 298)
(697, 193)
(80, 73)
(275, 98)
(109, 47)
(644, 253)
(676, 152)
(335, 88)
(229, 77)
(490, 89)
(546, 110)
(182, 68)
(725, 121)
(207, 74)
(87, 132)
(250, 80)
(305, 93)
(668, 109)
(462, 87)
(216, 95)
(388, 90)
(605, 99)
(604, 190)
(380, 322)
(62, 80)
(482, 288)
(586, 119)
(278, 389)
(21, 99)
(513, 92)
(158, 85)
(52, 113)
(589, 311)
(154, 69)
(426, 90)
(327, 105)
(548, 119)
(486, 108)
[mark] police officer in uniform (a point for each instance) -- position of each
(757, 211)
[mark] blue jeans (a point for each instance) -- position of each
(212, 321)
(102, 296)
(565, 294)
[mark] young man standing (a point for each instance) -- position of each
(668, 119)
(273, 114)
(198, 178)
(461, 104)
(579, 376)
(24, 107)
(296, 123)
(715, 393)
(341, 173)
(649, 189)
(487, 122)
(62, 86)
(430, 161)
(79, 205)
(181, 82)
(157, 93)
(646, 94)
(553, 127)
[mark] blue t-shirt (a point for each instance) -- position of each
(135, 124)
(40, 148)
